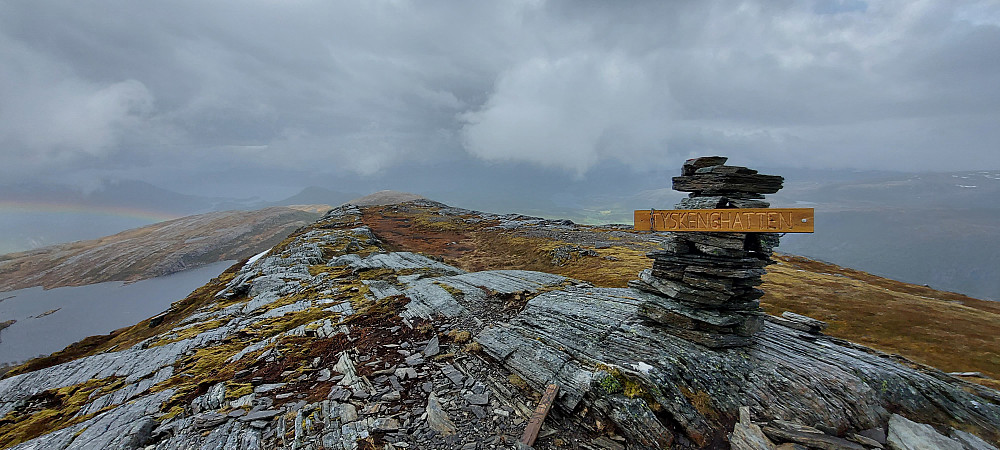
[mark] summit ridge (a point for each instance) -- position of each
(339, 337)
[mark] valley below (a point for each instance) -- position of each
(45, 321)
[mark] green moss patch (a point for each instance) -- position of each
(51, 410)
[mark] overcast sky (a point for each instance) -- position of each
(187, 92)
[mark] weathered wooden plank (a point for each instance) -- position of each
(542, 410)
(746, 220)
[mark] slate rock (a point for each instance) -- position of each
(721, 183)
(265, 414)
(478, 399)
(208, 420)
(386, 424)
(812, 325)
(748, 436)
(865, 441)
(692, 165)
(971, 441)
(405, 373)
(810, 439)
(433, 347)
(348, 413)
(437, 418)
(875, 434)
(905, 434)
(478, 411)
(453, 374)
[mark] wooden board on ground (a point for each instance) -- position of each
(746, 220)
(542, 410)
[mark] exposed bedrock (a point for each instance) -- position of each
(599, 348)
(330, 341)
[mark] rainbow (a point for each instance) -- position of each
(8, 206)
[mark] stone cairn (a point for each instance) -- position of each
(706, 283)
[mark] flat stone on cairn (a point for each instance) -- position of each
(706, 283)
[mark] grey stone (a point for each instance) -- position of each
(386, 424)
(406, 373)
(211, 400)
(437, 418)
(719, 168)
(863, 440)
(453, 374)
(692, 165)
(265, 414)
(793, 324)
(810, 439)
(346, 367)
(125, 427)
(348, 413)
(360, 394)
(432, 348)
(748, 436)
(605, 443)
(732, 183)
(971, 441)
(792, 426)
(208, 420)
(748, 203)
(478, 411)
(905, 434)
(969, 374)
(813, 325)
(875, 434)
(478, 399)
(703, 203)
(842, 382)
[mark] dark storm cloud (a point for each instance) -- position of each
(360, 87)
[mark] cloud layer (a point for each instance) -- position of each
(362, 87)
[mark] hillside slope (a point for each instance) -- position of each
(417, 325)
(153, 250)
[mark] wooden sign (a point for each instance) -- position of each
(542, 410)
(746, 220)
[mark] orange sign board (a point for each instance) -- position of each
(746, 220)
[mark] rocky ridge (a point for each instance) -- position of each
(154, 250)
(335, 340)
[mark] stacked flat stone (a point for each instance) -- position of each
(706, 283)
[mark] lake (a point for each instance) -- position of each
(88, 310)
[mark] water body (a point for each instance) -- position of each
(48, 321)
